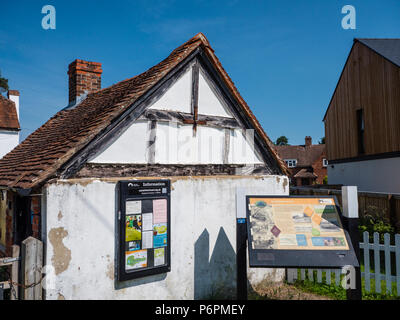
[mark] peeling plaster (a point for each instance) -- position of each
(61, 254)
(285, 183)
(59, 216)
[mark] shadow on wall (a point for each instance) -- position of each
(214, 279)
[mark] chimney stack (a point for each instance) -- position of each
(308, 141)
(13, 95)
(84, 77)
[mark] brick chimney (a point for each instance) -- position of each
(308, 141)
(84, 77)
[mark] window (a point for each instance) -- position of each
(360, 131)
(324, 162)
(291, 163)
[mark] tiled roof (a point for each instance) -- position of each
(388, 48)
(8, 115)
(43, 152)
(304, 173)
(306, 156)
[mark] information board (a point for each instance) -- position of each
(297, 231)
(144, 228)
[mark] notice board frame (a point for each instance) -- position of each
(286, 258)
(141, 190)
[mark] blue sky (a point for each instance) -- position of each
(285, 57)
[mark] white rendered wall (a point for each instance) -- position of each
(130, 147)
(209, 103)
(15, 99)
(178, 97)
(381, 175)
(8, 141)
(81, 233)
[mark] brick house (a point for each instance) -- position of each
(307, 163)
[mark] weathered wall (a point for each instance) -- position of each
(381, 175)
(81, 232)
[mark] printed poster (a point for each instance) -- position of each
(159, 211)
(135, 259)
(147, 219)
(133, 230)
(296, 223)
(159, 256)
(160, 235)
(147, 239)
(133, 207)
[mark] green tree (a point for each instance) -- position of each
(322, 141)
(3, 83)
(282, 141)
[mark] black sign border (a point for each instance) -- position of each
(300, 258)
(123, 275)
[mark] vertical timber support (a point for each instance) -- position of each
(14, 273)
(351, 220)
(32, 261)
(241, 245)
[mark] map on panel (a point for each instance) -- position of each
(295, 224)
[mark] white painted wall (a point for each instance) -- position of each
(15, 99)
(178, 97)
(209, 103)
(130, 147)
(203, 212)
(381, 175)
(8, 141)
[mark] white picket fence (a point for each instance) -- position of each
(366, 248)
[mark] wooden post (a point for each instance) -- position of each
(14, 273)
(392, 211)
(32, 259)
(350, 214)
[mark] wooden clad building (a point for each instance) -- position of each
(362, 120)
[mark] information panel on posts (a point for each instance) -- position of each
(144, 228)
(297, 231)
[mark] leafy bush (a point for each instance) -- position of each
(374, 220)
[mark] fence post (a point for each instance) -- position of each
(14, 273)
(32, 259)
(392, 211)
(350, 214)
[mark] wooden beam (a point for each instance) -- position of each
(151, 144)
(184, 117)
(93, 170)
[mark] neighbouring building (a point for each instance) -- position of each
(306, 163)
(9, 122)
(181, 120)
(362, 120)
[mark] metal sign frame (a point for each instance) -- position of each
(283, 258)
(142, 190)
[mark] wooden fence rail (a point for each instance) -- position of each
(388, 275)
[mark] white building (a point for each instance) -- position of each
(182, 120)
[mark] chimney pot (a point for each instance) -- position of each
(84, 77)
(308, 141)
